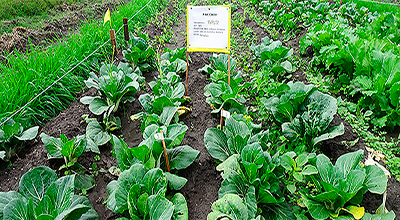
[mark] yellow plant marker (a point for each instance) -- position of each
(107, 17)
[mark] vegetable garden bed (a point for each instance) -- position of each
(203, 179)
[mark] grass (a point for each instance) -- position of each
(377, 6)
(14, 8)
(26, 75)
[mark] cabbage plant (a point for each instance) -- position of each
(140, 193)
(304, 115)
(236, 134)
(42, 195)
(116, 85)
(339, 188)
(140, 53)
(12, 136)
(70, 151)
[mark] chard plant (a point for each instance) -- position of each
(140, 193)
(42, 195)
(12, 137)
(140, 53)
(116, 85)
(70, 151)
(304, 115)
(339, 188)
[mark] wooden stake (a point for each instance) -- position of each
(221, 120)
(229, 69)
(187, 72)
(126, 29)
(113, 41)
(165, 153)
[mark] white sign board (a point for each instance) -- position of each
(208, 28)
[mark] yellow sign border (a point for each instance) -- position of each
(198, 49)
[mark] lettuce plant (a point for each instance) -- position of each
(236, 134)
(116, 85)
(140, 54)
(304, 115)
(42, 195)
(140, 193)
(12, 135)
(340, 187)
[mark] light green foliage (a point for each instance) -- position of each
(42, 195)
(180, 157)
(168, 90)
(362, 61)
(141, 192)
(12, 136)
(341, 186)
(250, 176)
(297, 168)
(116, 84)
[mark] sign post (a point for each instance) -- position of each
(208, 30)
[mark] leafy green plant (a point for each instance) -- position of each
(220, 63)
(116, 84)
(140, 53)
(42, 195)
(70, 151)
(236, 134)
(169, 115)
(304, 115)
(150, 154)
(297, 169)
(12, 135)
(140, 193)
(340, 187)
(273, 56)
(168, 90)
(359, 65)
(250, 175)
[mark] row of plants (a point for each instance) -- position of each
(361, 62)
(141, 189)
(146, 187)
(295, 182)
(25, 75)
(371, 116)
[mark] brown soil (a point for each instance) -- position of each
(53, 29)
